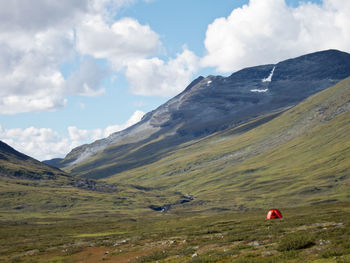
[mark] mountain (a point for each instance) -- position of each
(284, 153)
(300, 157)
(17, 165)
(52, 162)
(30, 188)
(209, 105)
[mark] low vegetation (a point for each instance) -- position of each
(301, 157)
(201, 202)
(319, 233)
(296, 241)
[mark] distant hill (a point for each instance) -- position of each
(210, 105)
(53, 162)
(29, 188)
(18, 165)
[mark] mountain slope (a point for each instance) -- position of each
(18, 165)
(208, 105)
(29, 188)
(299, 157)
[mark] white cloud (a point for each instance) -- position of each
(81, 136)
(29, 62)
(39, 15)
(123, 40)
(128, 45)
(87, 80)
(157, 77)
(41, 143)
(267, 31)
(135, 118)
(45, 143)
(37, 37)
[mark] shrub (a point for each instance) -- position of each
(335, 252)
(208, 258)
(158, 255)
(295, 241)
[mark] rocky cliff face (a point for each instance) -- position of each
(208, 105)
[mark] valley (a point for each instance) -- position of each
(194, 179)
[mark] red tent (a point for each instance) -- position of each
(274, 213)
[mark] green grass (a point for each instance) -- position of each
(102, 234)
(305, 234)
(301, 157)
(155, 256)
(299, 162)
(296, 241)
(42, 199)
(20, 166)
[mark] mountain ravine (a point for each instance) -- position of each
(208, 105)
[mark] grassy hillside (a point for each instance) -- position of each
(29, 188)
(17, 165)
(215, 192)
(318, 234)
(25, 198)
(123, 156)
(300, 157)
(206, 106)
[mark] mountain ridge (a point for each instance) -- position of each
(209, 105)
(18, 165)
(299, 157)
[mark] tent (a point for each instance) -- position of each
(274, 214)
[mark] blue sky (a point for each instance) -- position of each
(74, 73)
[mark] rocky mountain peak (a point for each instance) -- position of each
(214, 103)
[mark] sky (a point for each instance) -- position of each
(72, 72)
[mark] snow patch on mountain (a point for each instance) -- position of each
(259, 90)
(269, 78)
